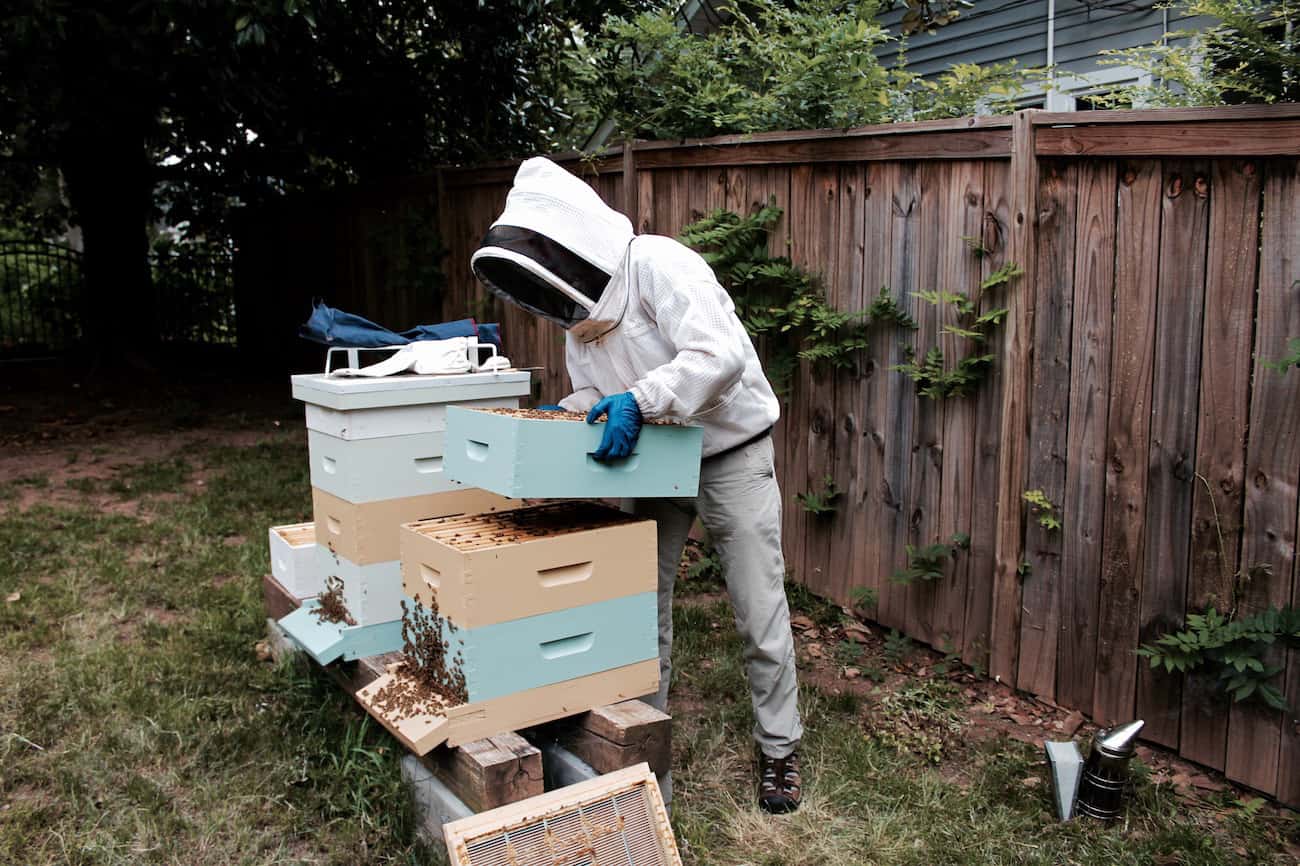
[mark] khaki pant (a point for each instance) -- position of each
(739, 503)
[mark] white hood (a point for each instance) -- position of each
(554, 247)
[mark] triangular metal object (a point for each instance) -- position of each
(1066, 764)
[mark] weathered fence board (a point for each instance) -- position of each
(1221, 434)
(1048, 424)
(1272, 465)
(1128, 431)
(1171, 467)
(1125, 379)
(1085, 479)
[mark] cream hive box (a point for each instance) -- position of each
(555, 602)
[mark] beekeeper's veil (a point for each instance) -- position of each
(555, 246)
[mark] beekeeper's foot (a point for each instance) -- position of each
(778, 783)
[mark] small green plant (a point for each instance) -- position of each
(820, 503)
(707, 566)
(1002, 276)
(976, 246)
(864, 597)
(898, 647)
(923, 716)
(930, 371)
(951, 660)
(1043, 509)
(1232, 649)
(927, 563)
(1291, 359)
(885, 309)
(847, 652)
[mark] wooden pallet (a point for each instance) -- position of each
(452, 782)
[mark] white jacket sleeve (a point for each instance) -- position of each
(696, 317)
(585, 394)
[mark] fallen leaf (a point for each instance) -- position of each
(1205, 783)
(856, 631)
(815, 650)
(1072, 723)
(263, 650)
(1020, 719)
(801, 622)
(1030, 781)
(852, 673)
(813, 633)
(13, 596)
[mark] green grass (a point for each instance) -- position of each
(138, 726)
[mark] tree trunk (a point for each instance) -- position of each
(110, 187)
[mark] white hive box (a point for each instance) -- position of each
(294, 559)
(373, 439)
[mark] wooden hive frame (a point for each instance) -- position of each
(618, 818)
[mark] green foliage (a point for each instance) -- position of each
(864, 597)
(1289, 360)
(931, 373)
(820, 503)
(885, 309)
(927, 563)
(897, 647)
(1250, 54)
(782, 307)
(1042, 508)
(936, 382)
(1232, 649)
(770, 65)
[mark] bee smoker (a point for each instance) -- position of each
(1101, 791)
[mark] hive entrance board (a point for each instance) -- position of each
(613, 820)
(436, 723)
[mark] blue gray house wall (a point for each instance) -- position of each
(995, 31)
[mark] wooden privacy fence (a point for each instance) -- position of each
(1161, 252)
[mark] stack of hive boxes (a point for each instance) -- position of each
(543, 611)
(376, 452)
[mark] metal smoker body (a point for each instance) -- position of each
(1101, 791)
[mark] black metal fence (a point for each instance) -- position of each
(43, 309)
(41, 296)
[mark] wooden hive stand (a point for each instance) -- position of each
(450, 783)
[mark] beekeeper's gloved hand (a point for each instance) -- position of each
(622, 425)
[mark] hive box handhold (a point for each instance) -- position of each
(518, 455)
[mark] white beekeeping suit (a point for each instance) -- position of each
(645, 316)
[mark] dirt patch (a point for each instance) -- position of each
(83, 474)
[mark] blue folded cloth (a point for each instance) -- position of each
(332, 327)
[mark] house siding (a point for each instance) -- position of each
(995, 32)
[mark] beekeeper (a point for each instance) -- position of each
(652, 335)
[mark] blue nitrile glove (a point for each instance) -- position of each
(550, 407)
(622, 425)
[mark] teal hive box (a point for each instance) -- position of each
(531, 458)
(522, 654)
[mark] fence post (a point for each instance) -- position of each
(1004, 636)
(630, 196)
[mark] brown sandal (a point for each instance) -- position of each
(779, 789)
